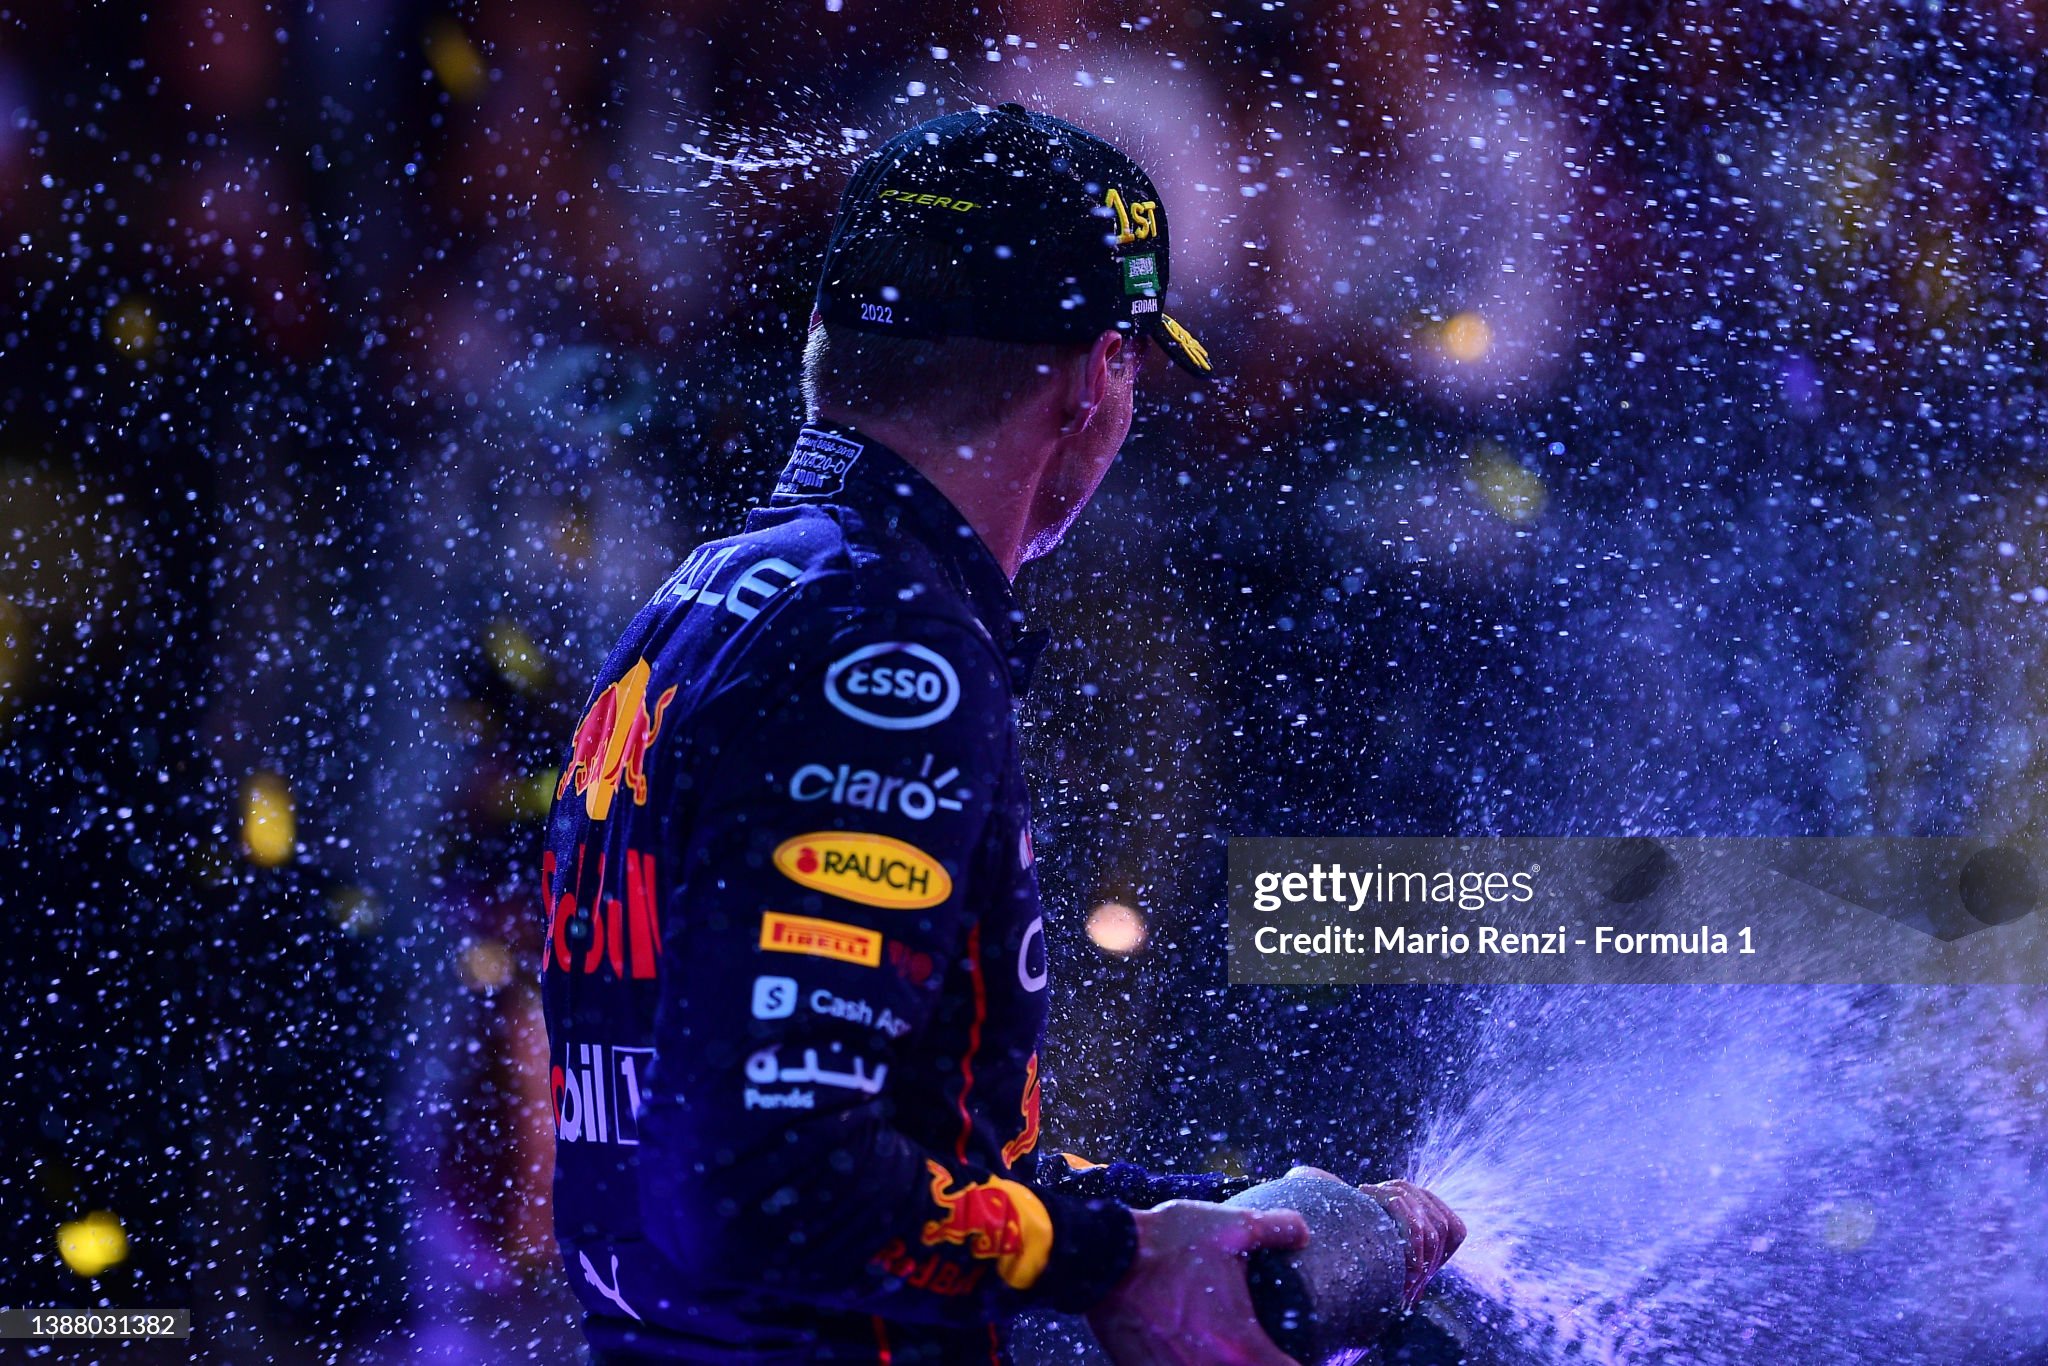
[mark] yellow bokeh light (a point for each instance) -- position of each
(270, 831)
(92, 1244)
(1465, 337)
(1511, 489)
(533, 796)
(1227, 1160)
(456, 63)
(355, 909)
(515, 655)
(486, 965)
(572, 539)
(525, 798)
(1116, 928)
(133, 329)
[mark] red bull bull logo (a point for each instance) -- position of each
(995, 1221)
(612, 743)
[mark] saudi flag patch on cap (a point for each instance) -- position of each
(1141, 274)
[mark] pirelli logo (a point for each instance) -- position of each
(816, 938)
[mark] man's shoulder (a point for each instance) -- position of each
(796, 581)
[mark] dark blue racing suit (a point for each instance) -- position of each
(795, 976)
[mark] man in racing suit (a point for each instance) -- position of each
(795, 973)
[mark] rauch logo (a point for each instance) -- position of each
(874, 870)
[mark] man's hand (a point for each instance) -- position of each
(1184, 1301)
(1434, 1231)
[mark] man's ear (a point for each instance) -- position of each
(1091, 382)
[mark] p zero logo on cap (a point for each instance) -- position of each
(893, 686)
(820, 939)
(874, 870)
(928, 201)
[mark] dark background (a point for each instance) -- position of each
(1632, 425)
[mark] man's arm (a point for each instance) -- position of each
(1434, 1230)
(812, 919)
(1133, 1185)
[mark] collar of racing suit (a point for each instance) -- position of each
(889, 492)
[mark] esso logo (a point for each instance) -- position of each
(894, 686)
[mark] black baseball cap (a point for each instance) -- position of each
(1002, 224)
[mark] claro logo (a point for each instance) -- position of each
(871, 869)
(894, 686)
